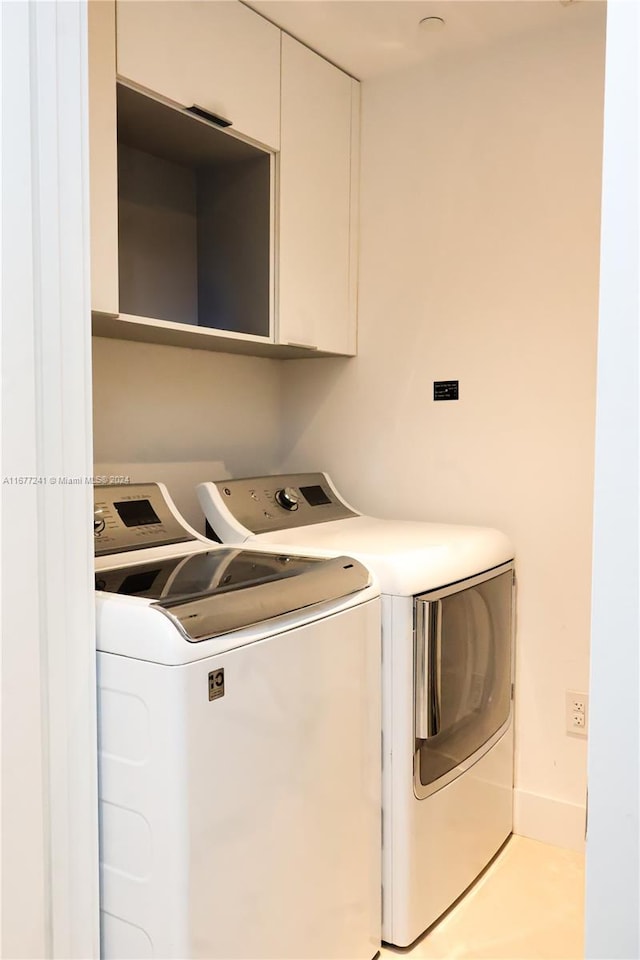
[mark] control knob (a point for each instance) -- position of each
(288, 498)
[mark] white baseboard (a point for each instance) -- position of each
(551, 821)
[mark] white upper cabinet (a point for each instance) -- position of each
(218, 55)
(242, 240)
(318, 202)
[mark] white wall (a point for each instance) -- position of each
(172, 406)
(613, 841)
(479, 262)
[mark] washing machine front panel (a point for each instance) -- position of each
(239, 774)
(223, 834)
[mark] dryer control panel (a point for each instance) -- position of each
(264, 504)
(133, 516)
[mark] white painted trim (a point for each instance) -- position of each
(613, 837)
(548, 820)
(50, 842)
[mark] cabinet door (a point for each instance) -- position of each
(217, 54)
(317, 203)
(103, 158)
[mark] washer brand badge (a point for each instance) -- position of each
(216, 684)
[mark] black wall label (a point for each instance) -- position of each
(445, 389)
(216, 684)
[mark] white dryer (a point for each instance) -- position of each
(447, 629)
(239, 726)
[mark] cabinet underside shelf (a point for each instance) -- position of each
(146, 330)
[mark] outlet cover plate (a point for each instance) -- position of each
(577, 713)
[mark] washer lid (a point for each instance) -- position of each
(218, 591)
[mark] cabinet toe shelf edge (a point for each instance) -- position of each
(146, 330)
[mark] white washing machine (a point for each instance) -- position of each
(447, 628)
(239, 726)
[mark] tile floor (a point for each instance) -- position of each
(527, 905)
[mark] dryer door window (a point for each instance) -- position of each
(463, 675)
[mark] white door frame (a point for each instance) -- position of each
(613, 840)
(49, 750)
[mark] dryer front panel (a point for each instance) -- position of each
(463, 675)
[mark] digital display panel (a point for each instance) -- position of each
(136, 513)
(315, 496)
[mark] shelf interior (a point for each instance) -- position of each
(194, 211)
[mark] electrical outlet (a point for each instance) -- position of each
(577, 713)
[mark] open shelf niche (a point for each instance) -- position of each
(195, 213)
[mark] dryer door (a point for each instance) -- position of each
(463, 667)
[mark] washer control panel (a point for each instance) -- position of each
(264, 504)
(133, 516)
